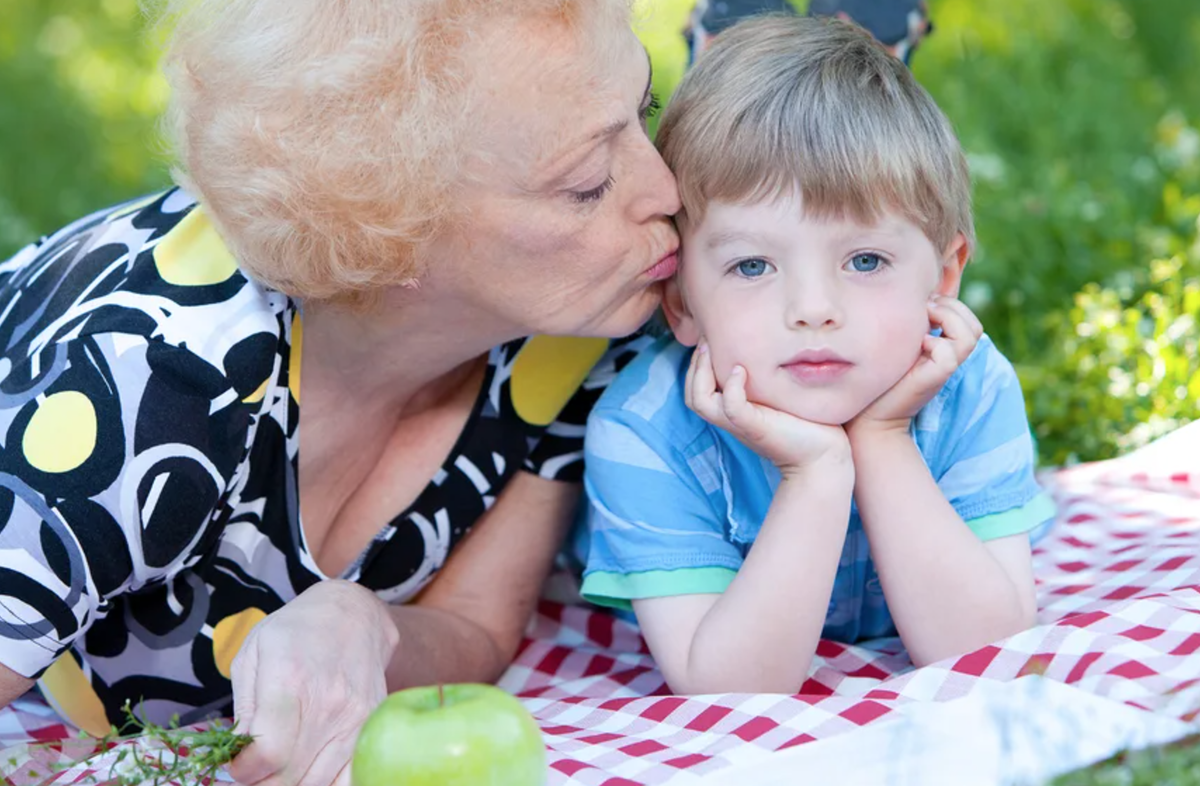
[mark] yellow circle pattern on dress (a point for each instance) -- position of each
(547, 373)
(193, 254)
(230, 633)
(73, 697)
(62, 432)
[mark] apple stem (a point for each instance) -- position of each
(441, 696)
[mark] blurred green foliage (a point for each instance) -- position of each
(1080, 119)
(1174, 764)
(78, 117)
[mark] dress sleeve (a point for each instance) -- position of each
(558, 452)
(985, 452)
(116, 452)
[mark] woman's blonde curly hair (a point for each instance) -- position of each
(325, 138)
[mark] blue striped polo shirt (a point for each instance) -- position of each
(674, 503)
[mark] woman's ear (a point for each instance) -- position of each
(954, 259)
(678, 317)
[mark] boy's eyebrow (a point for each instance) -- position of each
(728, 237)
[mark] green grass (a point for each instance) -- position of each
(1080, 119)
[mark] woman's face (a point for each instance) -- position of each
(567, 203)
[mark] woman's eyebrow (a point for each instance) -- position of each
(617, 126)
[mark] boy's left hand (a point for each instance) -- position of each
(940, 357)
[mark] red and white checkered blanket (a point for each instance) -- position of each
(1119, 593)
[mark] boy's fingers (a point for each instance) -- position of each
(944, 356)
(734, 395)
(737, 407)
(956, 329)
(705, 399)
(966, 316)
(689, 381)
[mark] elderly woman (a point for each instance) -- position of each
(278, 441)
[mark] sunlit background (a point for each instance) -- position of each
(1081, 119)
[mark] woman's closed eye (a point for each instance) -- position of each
(752, 267)
(866, 262)
(593, 194)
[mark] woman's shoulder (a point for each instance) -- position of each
(152, 274)
(543, 378)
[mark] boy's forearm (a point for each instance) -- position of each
(761, 634)
(947, 594)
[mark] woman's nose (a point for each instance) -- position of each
(659, 193)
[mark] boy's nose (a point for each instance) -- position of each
(813, 306)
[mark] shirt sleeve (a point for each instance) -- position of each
(985, 453)
(112, 465)
(652, 529)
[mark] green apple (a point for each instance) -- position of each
(453, 735)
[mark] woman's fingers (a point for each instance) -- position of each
(274, 754)
(331, 766)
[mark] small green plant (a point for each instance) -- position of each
(1174, 764)
(158, 755)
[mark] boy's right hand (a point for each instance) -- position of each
(791, 443)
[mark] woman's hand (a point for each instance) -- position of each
(304, 682)
(940, 357)
(788, 441)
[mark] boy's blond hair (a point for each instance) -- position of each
(780, 101)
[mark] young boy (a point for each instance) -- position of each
(844, 453)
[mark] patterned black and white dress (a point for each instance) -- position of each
(148, 465)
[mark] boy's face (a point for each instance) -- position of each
(825, 316)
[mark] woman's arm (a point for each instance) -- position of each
(759, 636)
(467, 624)
(464, 627)
(12, 686)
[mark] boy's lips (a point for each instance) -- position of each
(816, 367)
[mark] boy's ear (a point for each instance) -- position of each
(954, 259)
(678, 317)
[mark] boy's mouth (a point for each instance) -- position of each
(817, 366)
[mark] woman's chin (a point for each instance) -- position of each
(621, 321)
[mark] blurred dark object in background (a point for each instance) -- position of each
(710, 17)
(900, 25)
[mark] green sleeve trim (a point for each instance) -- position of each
(618, 589)
(1014, 521)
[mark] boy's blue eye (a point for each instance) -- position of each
(865, 263)
(752, 268)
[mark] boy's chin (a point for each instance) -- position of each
(825, 414)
